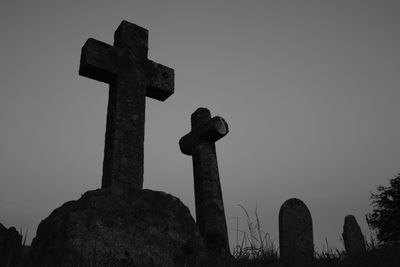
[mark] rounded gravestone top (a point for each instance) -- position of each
(295, 213)
(350, 219)
(293, 202)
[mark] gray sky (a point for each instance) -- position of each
(308, 88)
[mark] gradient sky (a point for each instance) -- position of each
(310, 90)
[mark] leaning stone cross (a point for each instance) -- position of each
(200, 144)
(131, 77)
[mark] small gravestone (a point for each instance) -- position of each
(296, 243)
(200, 144)
(354, 241)
(121, 224)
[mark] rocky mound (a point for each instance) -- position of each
(142, 228)
(10, 246)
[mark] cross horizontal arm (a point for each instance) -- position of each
(161, 81)
(213, 130)
(101, 61)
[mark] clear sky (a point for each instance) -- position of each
(310, 90)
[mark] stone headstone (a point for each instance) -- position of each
(144, 228)
(296, 243)
(354, 241)
(10, 247)
(200, 144)
(131, 77)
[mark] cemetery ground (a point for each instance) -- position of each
(255, 249)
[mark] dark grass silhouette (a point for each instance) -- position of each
(255, 249)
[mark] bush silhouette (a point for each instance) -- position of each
(385, 216)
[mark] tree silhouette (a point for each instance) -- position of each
(385, 216)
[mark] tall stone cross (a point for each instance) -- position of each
(200, 144)
(131, 77)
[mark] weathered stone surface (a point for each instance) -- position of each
(131, 77)
(210, 214)
(10, 247)
(354, 241)
(295, 234)
(143, 228)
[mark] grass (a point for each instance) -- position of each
(256, 249)
(256, 245)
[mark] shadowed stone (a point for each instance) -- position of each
(131, 77)
(295, 234)
(200, 144)
(354, 241)
(10, 247)
(144, 228)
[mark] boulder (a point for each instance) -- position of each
(10, 246)
(142, 228)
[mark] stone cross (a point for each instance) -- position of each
(200, 144)
(354, 241)
(132, 77)
(295, 234)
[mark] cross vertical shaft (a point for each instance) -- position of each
(124, 140)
